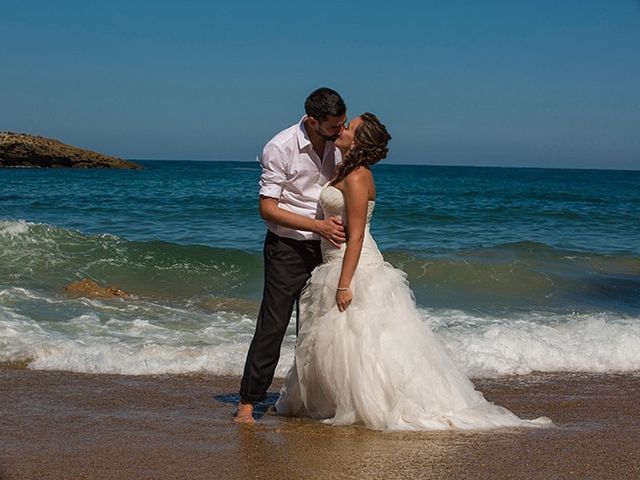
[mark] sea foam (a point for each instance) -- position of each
(150, 338)
(490, 347)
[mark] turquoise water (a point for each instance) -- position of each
(422, 208)
(525, 256)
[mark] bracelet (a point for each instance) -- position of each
(343, 289)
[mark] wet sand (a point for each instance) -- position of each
(80, 426)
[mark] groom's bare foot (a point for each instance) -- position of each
(244, 413)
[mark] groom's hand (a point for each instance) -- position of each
(333, 230)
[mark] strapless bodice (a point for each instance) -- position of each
(333, 205)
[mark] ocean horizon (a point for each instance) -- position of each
(400, 164)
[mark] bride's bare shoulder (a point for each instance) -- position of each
(358, 176)
(360, 182)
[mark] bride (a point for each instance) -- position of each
(363, 353)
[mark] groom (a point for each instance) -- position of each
(295, 163)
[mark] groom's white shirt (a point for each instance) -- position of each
(293, 174)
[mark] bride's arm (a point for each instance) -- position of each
(356, 194)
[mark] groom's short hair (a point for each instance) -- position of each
(324, 102)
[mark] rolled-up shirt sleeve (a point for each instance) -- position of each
(274, 171)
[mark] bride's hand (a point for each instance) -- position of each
(343, 299)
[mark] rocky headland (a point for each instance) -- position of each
(22, 150)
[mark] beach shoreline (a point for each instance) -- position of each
(74, 425)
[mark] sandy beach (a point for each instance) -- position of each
(81, 426)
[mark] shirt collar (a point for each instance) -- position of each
(303, 138)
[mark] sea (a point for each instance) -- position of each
(516, 270)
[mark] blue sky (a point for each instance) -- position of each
(508, 83)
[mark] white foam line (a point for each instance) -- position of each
(158, 339)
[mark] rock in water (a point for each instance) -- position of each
(22, 150)
(89, 288)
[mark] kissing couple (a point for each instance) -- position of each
(363, 352)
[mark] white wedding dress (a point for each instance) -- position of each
(377, 363)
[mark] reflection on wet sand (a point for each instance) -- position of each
(58, 424)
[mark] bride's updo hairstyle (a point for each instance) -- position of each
(369, 146)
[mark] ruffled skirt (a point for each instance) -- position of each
(377, 363)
